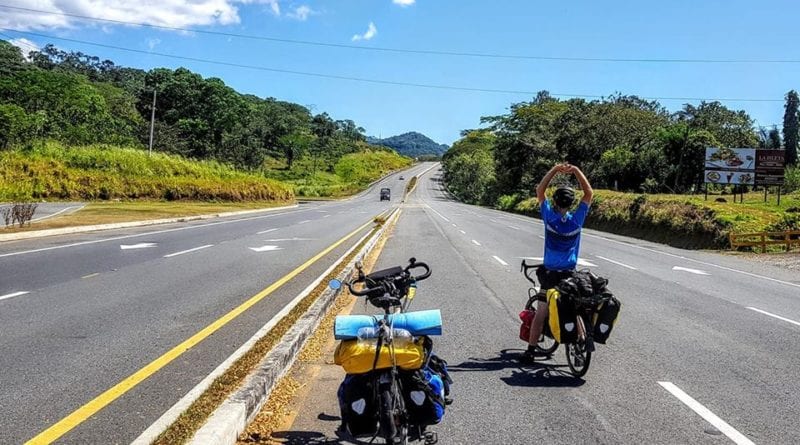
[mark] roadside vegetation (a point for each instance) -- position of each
(648, 161)
(74, 127)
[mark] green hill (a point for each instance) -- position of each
(412, 144)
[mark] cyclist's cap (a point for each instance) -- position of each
(564, 197)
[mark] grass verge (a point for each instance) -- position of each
(198, 412)
(108, 212)
(679, 220)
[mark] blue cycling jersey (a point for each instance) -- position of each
(562, 236)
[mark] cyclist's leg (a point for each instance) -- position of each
(542, 311)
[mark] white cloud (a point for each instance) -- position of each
(404, 3)
(25, 45)
(152, 43)
(371, 32)
(174, 13)
(301, 13)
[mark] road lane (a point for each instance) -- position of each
(694, 331)
(71, 338)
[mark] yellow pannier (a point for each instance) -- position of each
(357, 356)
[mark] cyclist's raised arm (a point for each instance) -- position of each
(588, 193)
(542, 187)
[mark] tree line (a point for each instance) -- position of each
(622, 142)
(80, 99)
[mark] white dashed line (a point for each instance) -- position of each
(304, 221)
(326, 216)
(12, 295)
(766, 313)
(499, 260)
(266, 231)
(514, 227)
(187, 251)
(706, 414)
(454, 225)
(540, 236)
(463, 232)
(686, 269)
(476, 243)
(440, 215)
(616, 262)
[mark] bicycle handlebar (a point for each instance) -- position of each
(524, 267)
(388, 280)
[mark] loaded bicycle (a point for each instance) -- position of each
(581, 312)
(395, 385)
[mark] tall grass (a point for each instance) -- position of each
(53, 171)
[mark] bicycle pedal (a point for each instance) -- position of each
(431, 438)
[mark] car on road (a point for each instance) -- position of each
(402, 177)
(386, 194)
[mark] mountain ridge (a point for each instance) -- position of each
(412, 143)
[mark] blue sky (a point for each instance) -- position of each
(714, 29)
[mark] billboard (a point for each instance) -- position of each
(770, 167)
(730, 166)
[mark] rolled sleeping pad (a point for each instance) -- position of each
(345, 327)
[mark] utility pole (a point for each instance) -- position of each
(152, 122)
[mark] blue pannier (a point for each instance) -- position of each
(423, 393)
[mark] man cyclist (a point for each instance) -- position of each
(562, 240)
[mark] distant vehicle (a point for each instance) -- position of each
(402, 178)
(386, 194)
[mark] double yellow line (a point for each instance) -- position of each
(80, 415)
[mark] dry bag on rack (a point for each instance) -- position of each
(604, 319)
(358, 356)
(358, 405)
(562, 318)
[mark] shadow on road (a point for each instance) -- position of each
(315, 437)
(537, 374)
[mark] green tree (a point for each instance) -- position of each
(730, 128)
(791, 127)
(11, 59)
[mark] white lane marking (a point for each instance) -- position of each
(265, 248)
(514, 227)
(91, 275)
(499, 260)
(266, 231)
(729, 269)
(12, 295)
(771, 315)
(137, 246)
(322, 211)
(492, 220)
(326, 216)
(538, 259)
(705, 413)
(616, 262)
(304, 221)
(188, 250)
(440, 215)
(463, 232)
(454, 225)
(694, 271)
(56, 213)
(540, 236)
(276, 240)
(155, 232)
(476, 243)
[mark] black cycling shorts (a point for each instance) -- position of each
(548, 279)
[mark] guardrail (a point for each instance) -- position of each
(788, 238)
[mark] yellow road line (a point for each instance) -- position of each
(81, 414)
(91, 275)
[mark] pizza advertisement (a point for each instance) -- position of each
(735, 159)
(730, 177)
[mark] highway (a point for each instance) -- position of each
(80, 314)
(706, 349)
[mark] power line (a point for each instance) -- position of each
(407, 50)
(368, 80)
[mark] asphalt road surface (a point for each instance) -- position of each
(706, 349)
(81, 313)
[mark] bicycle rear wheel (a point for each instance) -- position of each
(392, 419)
(578, 355)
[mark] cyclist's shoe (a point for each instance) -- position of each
(529, 356)
(448, 400)
(589, 344)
